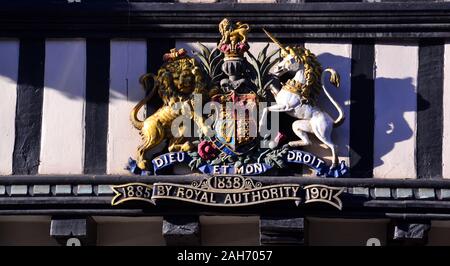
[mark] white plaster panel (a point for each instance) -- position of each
(128, 62)
(9, 67)
(395, 110)
(62, 140)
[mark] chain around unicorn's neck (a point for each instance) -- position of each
(299, 76)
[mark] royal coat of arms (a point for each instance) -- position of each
(217, 109)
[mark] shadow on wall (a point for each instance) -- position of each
(66, 68)
(395, 98)
(342, 65)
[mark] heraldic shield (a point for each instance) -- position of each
(236, 122)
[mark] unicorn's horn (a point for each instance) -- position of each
(275, 41)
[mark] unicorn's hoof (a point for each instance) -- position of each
(295, 144)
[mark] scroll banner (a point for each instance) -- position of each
(225, 197)
(132, 191)
(227, 191)
(293, 156)
(171, 158)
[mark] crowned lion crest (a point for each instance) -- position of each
(236, 87)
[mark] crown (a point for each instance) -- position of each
(234, 39)
(293, 86)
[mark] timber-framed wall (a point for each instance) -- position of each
(364, 27)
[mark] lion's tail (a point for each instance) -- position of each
(243, 25)
(144, 80)
(334, 79)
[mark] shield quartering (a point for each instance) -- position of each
(236, 124)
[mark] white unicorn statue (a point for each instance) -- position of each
(298, 97)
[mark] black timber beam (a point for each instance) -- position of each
(187, 179)
(74, 231)
(181, 230)
(276, 230)
(88, 195)
(199, 21)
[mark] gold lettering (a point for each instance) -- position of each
(204, 197)
(245, 194)
(281, 192)
(227, 199)
(286, 190)
(197, 193)
(256, 197)
(211, 198)
(161, 191)
(265, 194)
(180, 192)
(273, 193)
(189, 193)
(294, 191)
(237, 198)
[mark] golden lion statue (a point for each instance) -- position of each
(233, 35)
(176, 82)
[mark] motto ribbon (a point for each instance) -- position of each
(293, 156)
